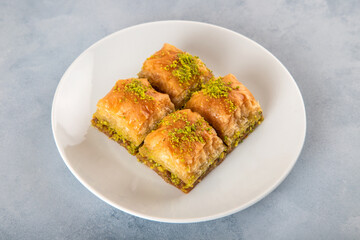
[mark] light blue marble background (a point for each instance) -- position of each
(317, 40)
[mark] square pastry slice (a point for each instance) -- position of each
(229, 107)
(130, 111)
(176, 73)
(183, 149)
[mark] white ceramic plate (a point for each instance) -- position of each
(254, 169)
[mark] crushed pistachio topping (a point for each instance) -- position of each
(231, 105)
(174, 117)
(184, 68)
(139, 89)
(186, 135)
(218, 88)
(182, 137)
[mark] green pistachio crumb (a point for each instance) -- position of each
(184, 68)
(182, 138)
(139, 89)
(231, 105)
(116, 136)
(216, 88)
(175, 179)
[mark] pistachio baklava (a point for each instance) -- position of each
(130, 111)
(183, 149)
(229, 107)
(175, 72)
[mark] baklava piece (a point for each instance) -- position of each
(176, 73)
(229, 107)
(130, 111)
(183, 149)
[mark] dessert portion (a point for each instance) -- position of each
(181, 146)
(183, 149)
(176, 73)
(229, 107)
(130, 111)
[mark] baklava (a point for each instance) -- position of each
(130, 111)
(176, 73)
(229, 107)
(183, 149)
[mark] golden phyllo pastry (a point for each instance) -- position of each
(176, 73)
(183, 149)
(229, 107)
(130, 111)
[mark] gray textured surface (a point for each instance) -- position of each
(318, 41)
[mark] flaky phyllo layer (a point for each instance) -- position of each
(171, 178)
(117, 136)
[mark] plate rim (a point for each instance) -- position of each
(177, 220)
